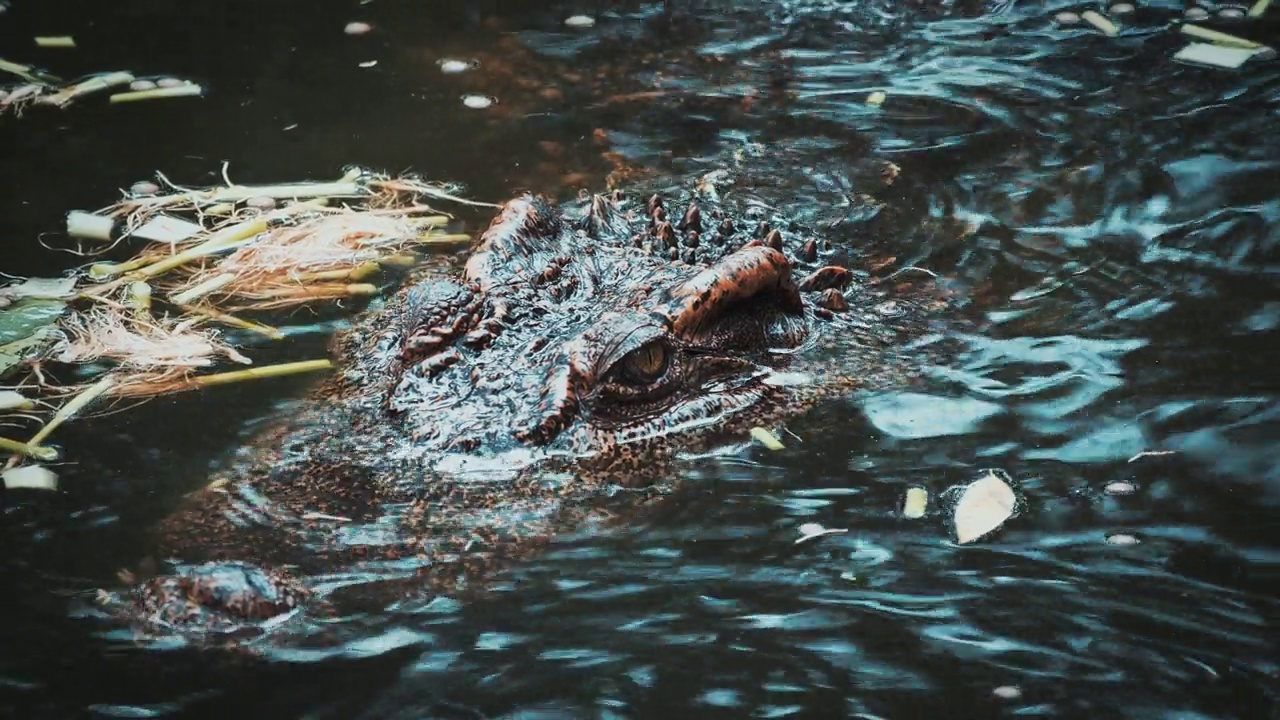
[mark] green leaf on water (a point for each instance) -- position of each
(25, 327)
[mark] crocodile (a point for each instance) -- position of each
(548, 387)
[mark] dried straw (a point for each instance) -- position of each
(135, 343)
(282, 266)
(20, 97)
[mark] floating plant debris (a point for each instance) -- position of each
(916, 503)
(14, 400)
(56, 41)
(452, 67)
(1102, 23)
(1221, 38)
(984, 506)
(809, 531)
(147, 325)
(42, 88)
(27, 73)
(478, 102)
(183, 90)
(33, 477)
(766, 438)
(1215, 55)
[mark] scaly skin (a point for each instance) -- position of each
(473, 418)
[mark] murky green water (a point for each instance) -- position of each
(1118, 275)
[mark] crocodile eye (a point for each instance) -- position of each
(646, 364)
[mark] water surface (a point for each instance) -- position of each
(1106, 218)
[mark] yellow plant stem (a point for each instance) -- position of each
(431, 239)
(262, 373)
(92, 85)
(213, 284)
(26, 72)
(227, 378)
(189, 90)
(240, 193)
(221, 240)
(233, 321)
(31, 450)
(71, 407)
(320, 291)
(1220, 38)
(429, 221)
(359, 272)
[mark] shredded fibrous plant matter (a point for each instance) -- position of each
(139, 343)
(17, 99)
(316, 258)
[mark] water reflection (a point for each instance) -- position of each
(1110, 220)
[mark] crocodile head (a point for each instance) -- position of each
(615, 333)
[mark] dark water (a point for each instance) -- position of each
(1118, 266)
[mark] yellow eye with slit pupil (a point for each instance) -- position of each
(647, 363)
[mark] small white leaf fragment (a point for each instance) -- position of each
(766, 438)
(357, 28)
(143, 188)
(42, 288)
(1216, 55)
(168, 229)
(877, 98)
(368, 63)
(14, 400)
(1120, 488)
(1122, 539)
(1007, 692)
(478, 102)
(916, 503)
(31, 477)
(81, 224)
(984, 506)
(809, 531)
(1107, 27)
(580, 21)
(451, 66)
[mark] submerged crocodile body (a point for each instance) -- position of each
(582, 349)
